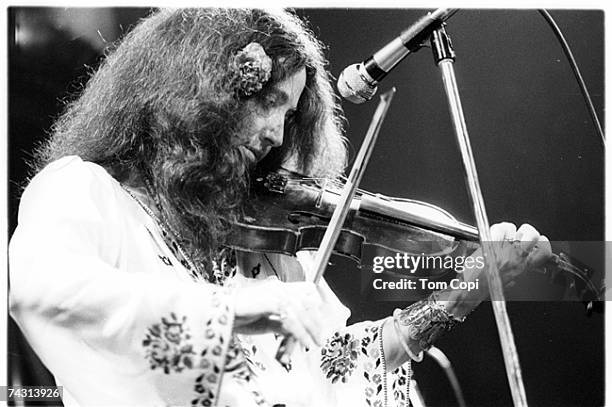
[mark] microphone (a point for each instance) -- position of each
(358, 82)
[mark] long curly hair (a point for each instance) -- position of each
(163, 107)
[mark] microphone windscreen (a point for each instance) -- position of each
(355, 85)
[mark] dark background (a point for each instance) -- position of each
(538, 156)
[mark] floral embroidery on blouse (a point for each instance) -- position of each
(373, 369)
(339, 356)
(168, 345)
(208, 381)
(375, 372)
(344, 352)
(240, 363)
(401, 384)
(203, 387)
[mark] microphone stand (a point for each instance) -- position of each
(444, 57)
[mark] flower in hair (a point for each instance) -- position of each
(252, 69)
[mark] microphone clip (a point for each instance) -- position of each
(442, 46)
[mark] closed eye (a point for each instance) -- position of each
(270, 101)
(276, 98)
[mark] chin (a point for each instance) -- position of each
(271, 162)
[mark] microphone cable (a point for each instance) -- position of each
(568, 53)
(439, 356)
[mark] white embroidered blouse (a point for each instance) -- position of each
(118, 320)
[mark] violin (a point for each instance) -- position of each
(287, 212)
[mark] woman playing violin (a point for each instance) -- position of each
(121, 276)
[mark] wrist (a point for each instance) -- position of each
(410, 347)
(458, 303)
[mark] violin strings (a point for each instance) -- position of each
(338, 182)
(333, 182)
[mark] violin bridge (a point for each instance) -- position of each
(320, 197)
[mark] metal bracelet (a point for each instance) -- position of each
(426, 321)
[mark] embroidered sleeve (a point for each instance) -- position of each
(176, 345)
(354, 362)
(99, 321)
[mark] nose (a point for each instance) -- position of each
(274, 134)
